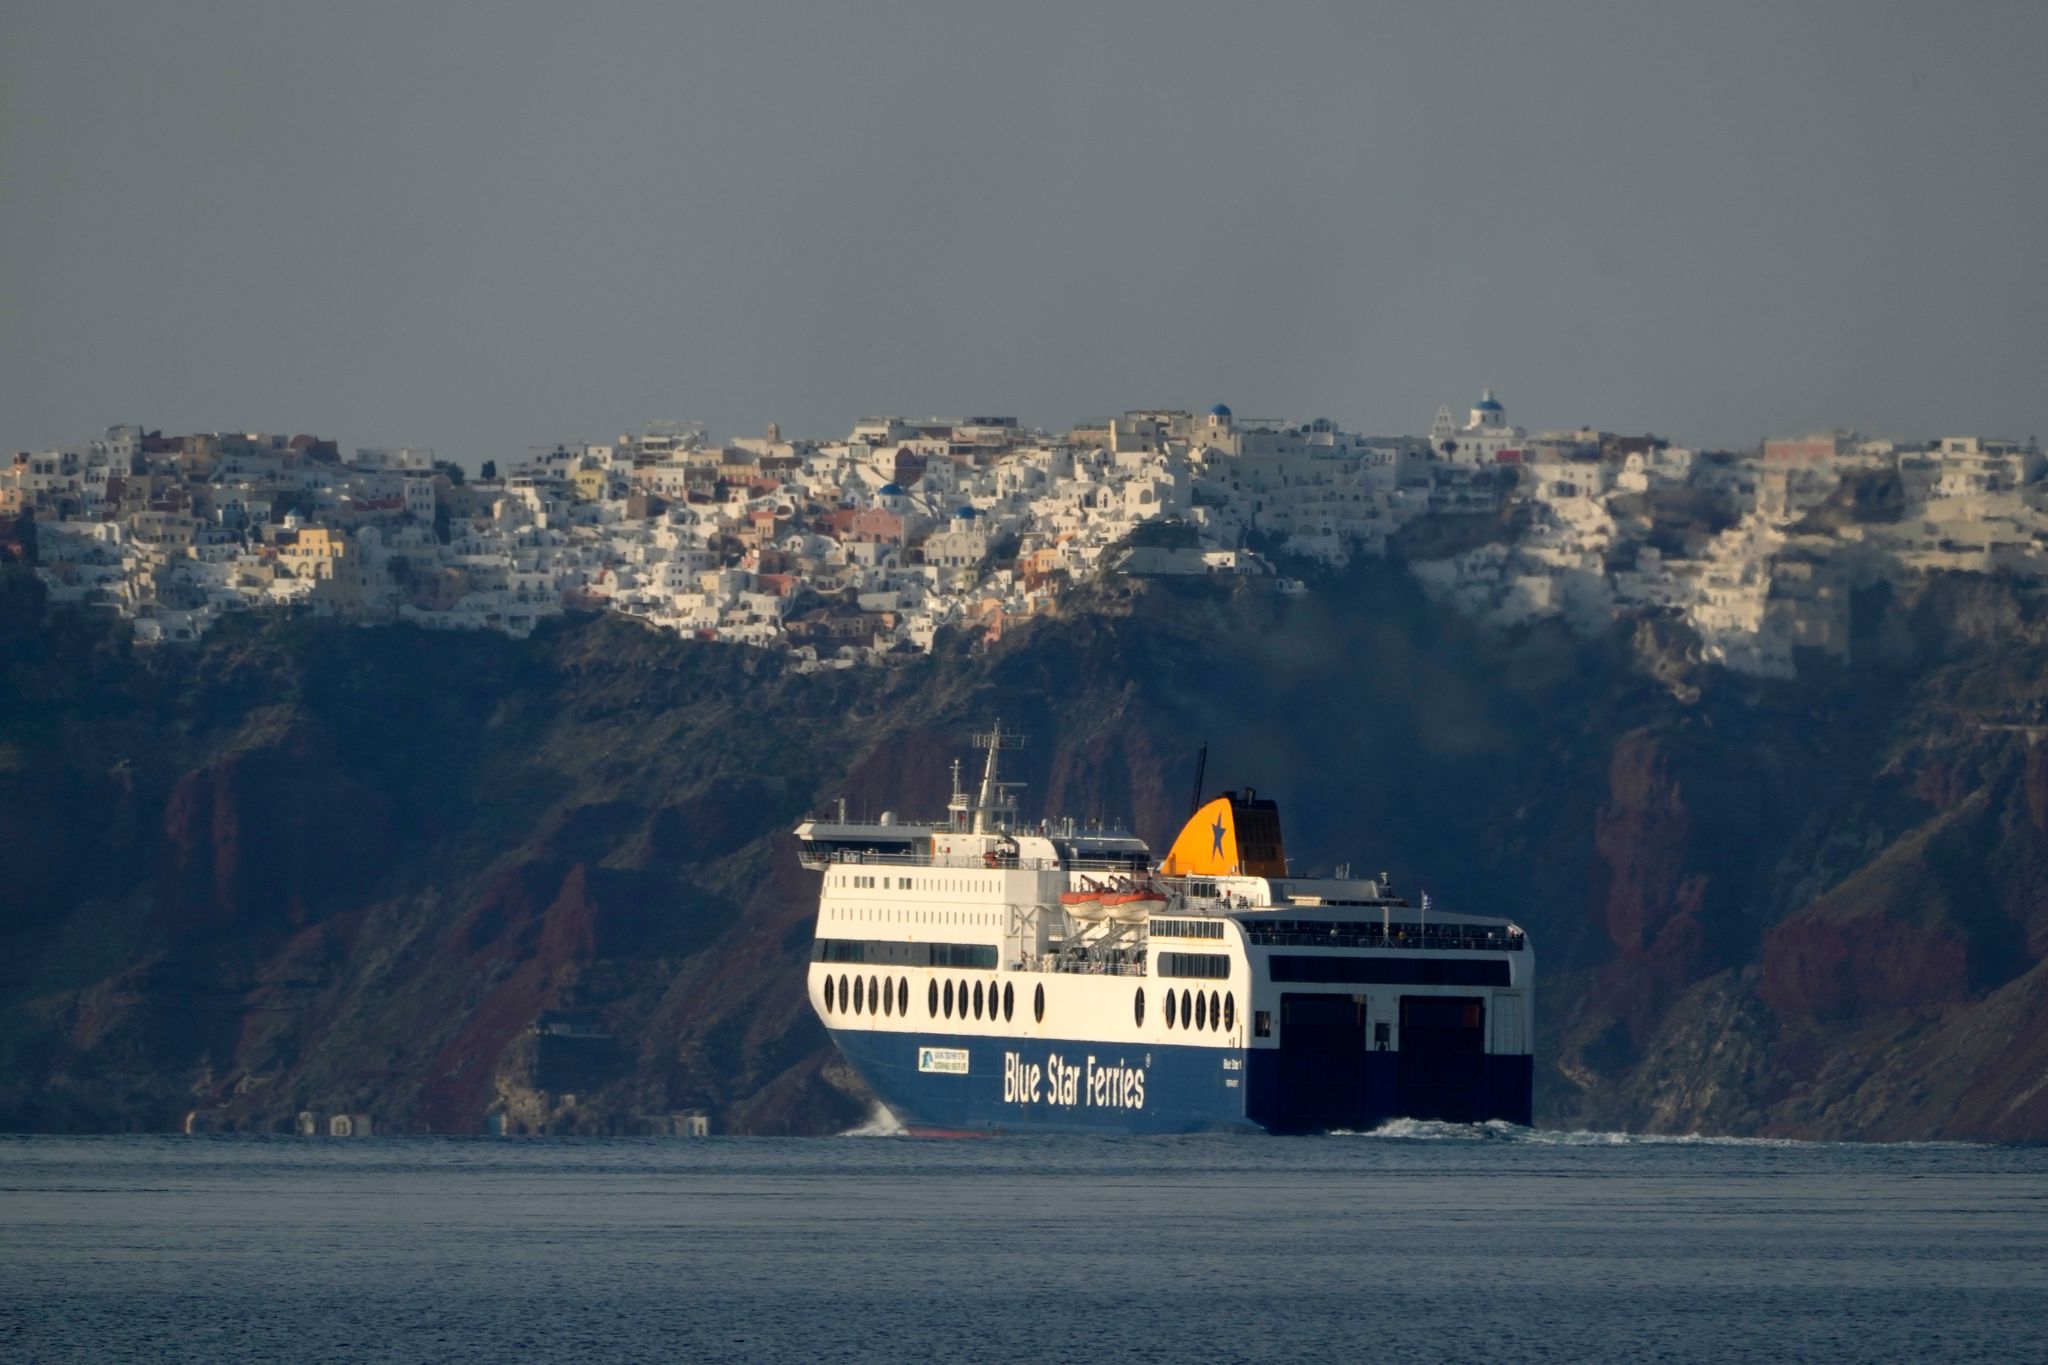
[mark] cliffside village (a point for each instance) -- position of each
(845, 550)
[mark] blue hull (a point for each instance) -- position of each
(971, 1083)
(1049, 1085)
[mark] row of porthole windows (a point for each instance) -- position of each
(942, 1002)
(1191, 1009)
(862, 995)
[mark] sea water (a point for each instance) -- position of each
(1420, 1241)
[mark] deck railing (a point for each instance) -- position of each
(1460, 937)
(855, 857)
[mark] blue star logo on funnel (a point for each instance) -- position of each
(1216, 837)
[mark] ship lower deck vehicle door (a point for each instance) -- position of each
(1322, 1061)
(1443, 1057)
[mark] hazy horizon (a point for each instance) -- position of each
(482, 228)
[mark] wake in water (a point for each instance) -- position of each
(880, 1123)
(1496, 1130)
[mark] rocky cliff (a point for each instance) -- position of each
(437, 878)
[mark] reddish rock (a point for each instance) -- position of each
(1121, 780)
(1942, 785)
(512, 899)
(268, 837)
(605, 912)
(1825, 967)
(1641, 835)
(1682, 953)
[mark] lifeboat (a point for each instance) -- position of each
(1133, 906)
(1084, 904)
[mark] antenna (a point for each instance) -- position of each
(1201, 767)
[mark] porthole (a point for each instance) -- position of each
(1215, 1011)
(1038, 1003)
(1187, 1010)
(874, 995)
(1201, 1011)
(1172, 1010)
(860, 995)
(829, 1006)
(845, 1000)
(1229, 1011)
(977, 1000)
(903, 996)
(1009, 1001)
(1138, 1007)
(949, 1000)
(931, 1001)
(963, 999)
(888, 998)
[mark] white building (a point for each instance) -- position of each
(1481, 439)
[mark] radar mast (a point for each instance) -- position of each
(995, 805)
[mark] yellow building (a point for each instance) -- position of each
(587, 485)
(313, 551)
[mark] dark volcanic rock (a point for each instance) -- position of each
(307, 867)
(267, 836)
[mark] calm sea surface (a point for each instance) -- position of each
(1432, 1243)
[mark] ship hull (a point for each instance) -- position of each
(942, 1083)
(979, 1083)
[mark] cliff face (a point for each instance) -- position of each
(314, 868)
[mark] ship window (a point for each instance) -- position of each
(977, 1000)
(1230, 1011)
(860, 995)
(903, 996)
(1038, 1003)
(1138, 1007)
(1215, 1011)
(931, 1001)
(874, 994)
(963, 1000)
(1187, 1011)
(1009, 1001)
(1172, 1010)
(888, 998)
(1262, 1023)
(1201, 1011)
(949, 1000)
(845, 1000)
(828, 994)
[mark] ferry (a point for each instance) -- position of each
(986, 975)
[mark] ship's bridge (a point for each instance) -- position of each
(840, 840)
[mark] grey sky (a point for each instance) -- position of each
(475, 225)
